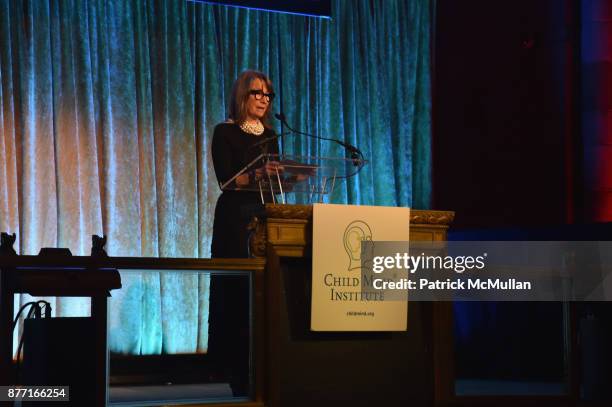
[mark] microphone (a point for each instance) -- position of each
(266, 140)
(269, 139)
(356, 154)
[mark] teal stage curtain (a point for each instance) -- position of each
(107, 110)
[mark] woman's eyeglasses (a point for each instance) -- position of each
(258, 93)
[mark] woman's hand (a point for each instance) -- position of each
(242, 180)
(270, 168)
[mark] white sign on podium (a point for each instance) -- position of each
(338, 302)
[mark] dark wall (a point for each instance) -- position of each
(596, 108)
(503, 140)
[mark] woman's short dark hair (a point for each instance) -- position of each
(240, 95)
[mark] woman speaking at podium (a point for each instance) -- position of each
(236, 143)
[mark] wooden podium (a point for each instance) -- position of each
(306, 368)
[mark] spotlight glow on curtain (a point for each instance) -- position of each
(107, 111)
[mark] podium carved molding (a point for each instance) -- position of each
(424, 217)
(258, 237)
(429, 217)
(287, 228)
(289, 211)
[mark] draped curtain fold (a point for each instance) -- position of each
(106, 117)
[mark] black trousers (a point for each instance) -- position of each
(230, 296)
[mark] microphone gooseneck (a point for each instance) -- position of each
(356, 154)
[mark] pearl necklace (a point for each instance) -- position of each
(256, 129)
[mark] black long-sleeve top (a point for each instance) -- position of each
(232, 150)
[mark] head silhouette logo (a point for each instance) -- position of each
(356, 232)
